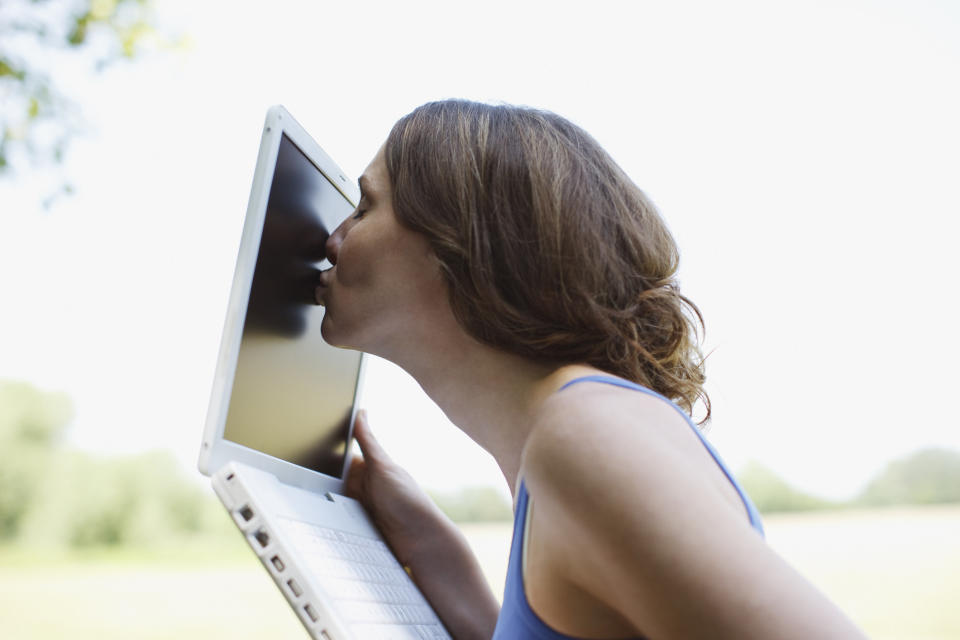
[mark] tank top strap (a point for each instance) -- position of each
(752, 511)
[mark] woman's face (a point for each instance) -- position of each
(385, 280)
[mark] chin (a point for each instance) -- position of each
(329, 333)
(335, 336)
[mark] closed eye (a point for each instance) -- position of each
(359, 213)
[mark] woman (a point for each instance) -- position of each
(504, 260)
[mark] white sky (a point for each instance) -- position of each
(805, 154)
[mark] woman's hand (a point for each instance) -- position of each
(423, 539)
(404, 513)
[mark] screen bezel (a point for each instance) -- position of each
(215, 451)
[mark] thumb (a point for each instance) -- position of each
(369, 446)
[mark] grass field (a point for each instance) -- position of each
(895, 571)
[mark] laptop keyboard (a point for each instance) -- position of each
(373, 593)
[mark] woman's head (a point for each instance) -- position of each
(549, 250)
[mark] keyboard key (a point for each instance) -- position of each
(373, 592)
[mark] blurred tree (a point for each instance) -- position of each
(38, 118)
(139, 500)
(770, 493)
(31, 423)
(52, 495)
(925, 477)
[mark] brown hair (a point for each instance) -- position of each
(550, 251)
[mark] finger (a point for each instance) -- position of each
(355, 475)
(369, 445)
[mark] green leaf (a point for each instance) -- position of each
(78, 35)
(7, 70)
(102, 10)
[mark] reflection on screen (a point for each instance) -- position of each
(292, 392)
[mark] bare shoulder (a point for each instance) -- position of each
(580, 467)
(606, 468)
(630, 515)
(591, 437)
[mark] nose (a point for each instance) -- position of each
(334, 242)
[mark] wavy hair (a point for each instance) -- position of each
(550, 251)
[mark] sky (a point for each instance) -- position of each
(805, 156)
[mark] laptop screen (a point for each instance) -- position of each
(293, 393)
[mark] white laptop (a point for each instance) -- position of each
(278, 430)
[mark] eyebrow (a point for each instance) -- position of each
(362, 180)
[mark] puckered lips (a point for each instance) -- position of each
(323, 285)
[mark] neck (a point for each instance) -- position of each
(490, 395)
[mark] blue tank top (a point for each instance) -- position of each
(517, 620)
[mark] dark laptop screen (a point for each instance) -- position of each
(292, 392)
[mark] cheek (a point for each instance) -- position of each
(397, 268)
(353, 265)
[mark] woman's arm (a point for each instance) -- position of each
(630, 519)
(423, 539)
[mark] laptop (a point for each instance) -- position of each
(279, 426)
